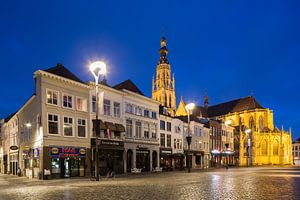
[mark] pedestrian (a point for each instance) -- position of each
(47, 173)
(19, 171)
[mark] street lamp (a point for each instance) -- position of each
(97, 68)
(189, 107)
(248, 132)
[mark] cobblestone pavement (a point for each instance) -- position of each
(238, 183)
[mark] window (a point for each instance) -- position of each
(53, 124)
(129, 128)
(129, 108)
(154, 131)
(81, 127)
(154, 115)
(275, 148)
(116, 109)
(162, 140)
(68, 126)
(169, 125)
(138, 129)
(175, 143)
(138, 111)
(264, 148)
(106, 104)
(179, 143)
(177, 129)
(67, 101)
(168, 140)
(52, 97)
(146, 113)
(81, 104)
(146, 130)
(162, 125)
(94, 103)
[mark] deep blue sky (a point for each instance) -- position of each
(227, 48)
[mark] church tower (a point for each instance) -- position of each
(163, 85)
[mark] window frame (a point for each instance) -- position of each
(73, 132)
(77, 125)
(58, 124)
(62, 98)
(105, 106)
(83, 99)
(119, 109)
(58, 102)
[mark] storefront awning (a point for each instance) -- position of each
(120, 128)
(102, 125)
(111, 126)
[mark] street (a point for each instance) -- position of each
(234, 183)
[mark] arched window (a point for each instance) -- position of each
(264, 148)
(275, 148)
(251, 123)
(261, 123)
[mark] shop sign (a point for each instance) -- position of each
(65, 152)
(141, 151)
(165, 151)
(141, 146)
(107, 143)
(14, 147)
(35, 153)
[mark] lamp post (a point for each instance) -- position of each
(248, 132)
(97, 68)
(227, 123)
(189, 107)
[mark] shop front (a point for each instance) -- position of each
(178, 159)
(68, 162)
(110, 156)
(143, 159)
(166, 159)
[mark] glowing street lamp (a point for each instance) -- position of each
(248, 132)
(97, 68)
(189, 107)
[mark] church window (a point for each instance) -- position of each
(251, 123)
(264, 148)
(261, 123)
(275, 148)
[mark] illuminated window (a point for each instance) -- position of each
(129, 128)
(68, 126)
(138, 129)
(52, 97)
(81, 104)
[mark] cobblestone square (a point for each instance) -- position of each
(235, 183)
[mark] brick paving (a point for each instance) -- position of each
(237, 183)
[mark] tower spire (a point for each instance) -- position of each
(163, 51)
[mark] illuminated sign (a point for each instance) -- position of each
(65, 152)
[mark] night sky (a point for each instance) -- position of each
(229, 49)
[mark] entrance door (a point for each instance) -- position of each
(129, 160)
(67, 167)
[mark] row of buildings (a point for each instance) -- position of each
(54, 129)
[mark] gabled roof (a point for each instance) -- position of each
(246, 103)
(128, 85)
(62, 71)
(9, 117)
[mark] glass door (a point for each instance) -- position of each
(67, 167)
